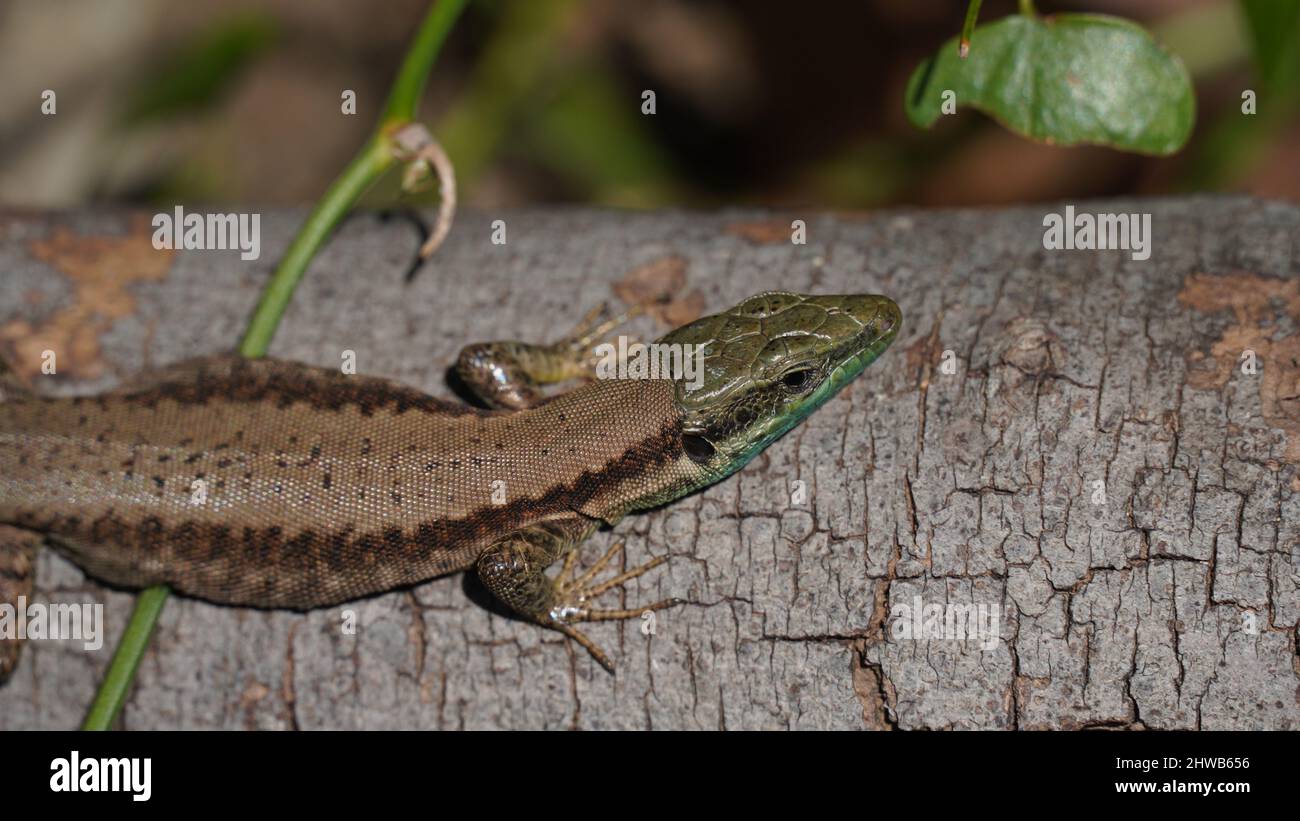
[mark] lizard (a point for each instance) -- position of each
(273, 484)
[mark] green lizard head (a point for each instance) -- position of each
(768, 363)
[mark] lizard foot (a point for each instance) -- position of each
(591, 329)
(573, 595)
(581, 341)
(17, 579)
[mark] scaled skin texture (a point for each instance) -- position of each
(273, 484)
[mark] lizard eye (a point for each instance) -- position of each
(700, 450)
(796, 381)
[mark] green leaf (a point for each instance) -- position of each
(1065, 80)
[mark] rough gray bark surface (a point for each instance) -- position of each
(1164, 597)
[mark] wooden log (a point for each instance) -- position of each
(1066, 443)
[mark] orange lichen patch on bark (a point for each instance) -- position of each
(872, 690)
(101, 270)
(656, 285)
(762, 232)
(1249, 296)
(919, 354)
(923, 355)
(652, 282)
(1255, 302)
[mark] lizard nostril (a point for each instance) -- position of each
(886, 318)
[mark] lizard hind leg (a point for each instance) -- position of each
(17, 578)
(513, 569)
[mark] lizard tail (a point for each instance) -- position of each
(17, 578)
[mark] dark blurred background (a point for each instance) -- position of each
(767, 102)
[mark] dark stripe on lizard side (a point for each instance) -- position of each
(269, 567)
(236, 379)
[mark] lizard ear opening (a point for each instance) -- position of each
(699, 449)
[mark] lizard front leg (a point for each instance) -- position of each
(510, 374)
(17, 578)
(513, 569)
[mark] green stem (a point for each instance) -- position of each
(968, 27)
(375, 157)
(409, 85)
(121, 671)
(1027, 8)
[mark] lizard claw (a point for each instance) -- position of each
(574, 595)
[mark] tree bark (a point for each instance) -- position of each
(1071, 440)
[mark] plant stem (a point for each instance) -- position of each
(121, 671)
(1027, 8)
(409, 85)
(375, 157)
(968, 27)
